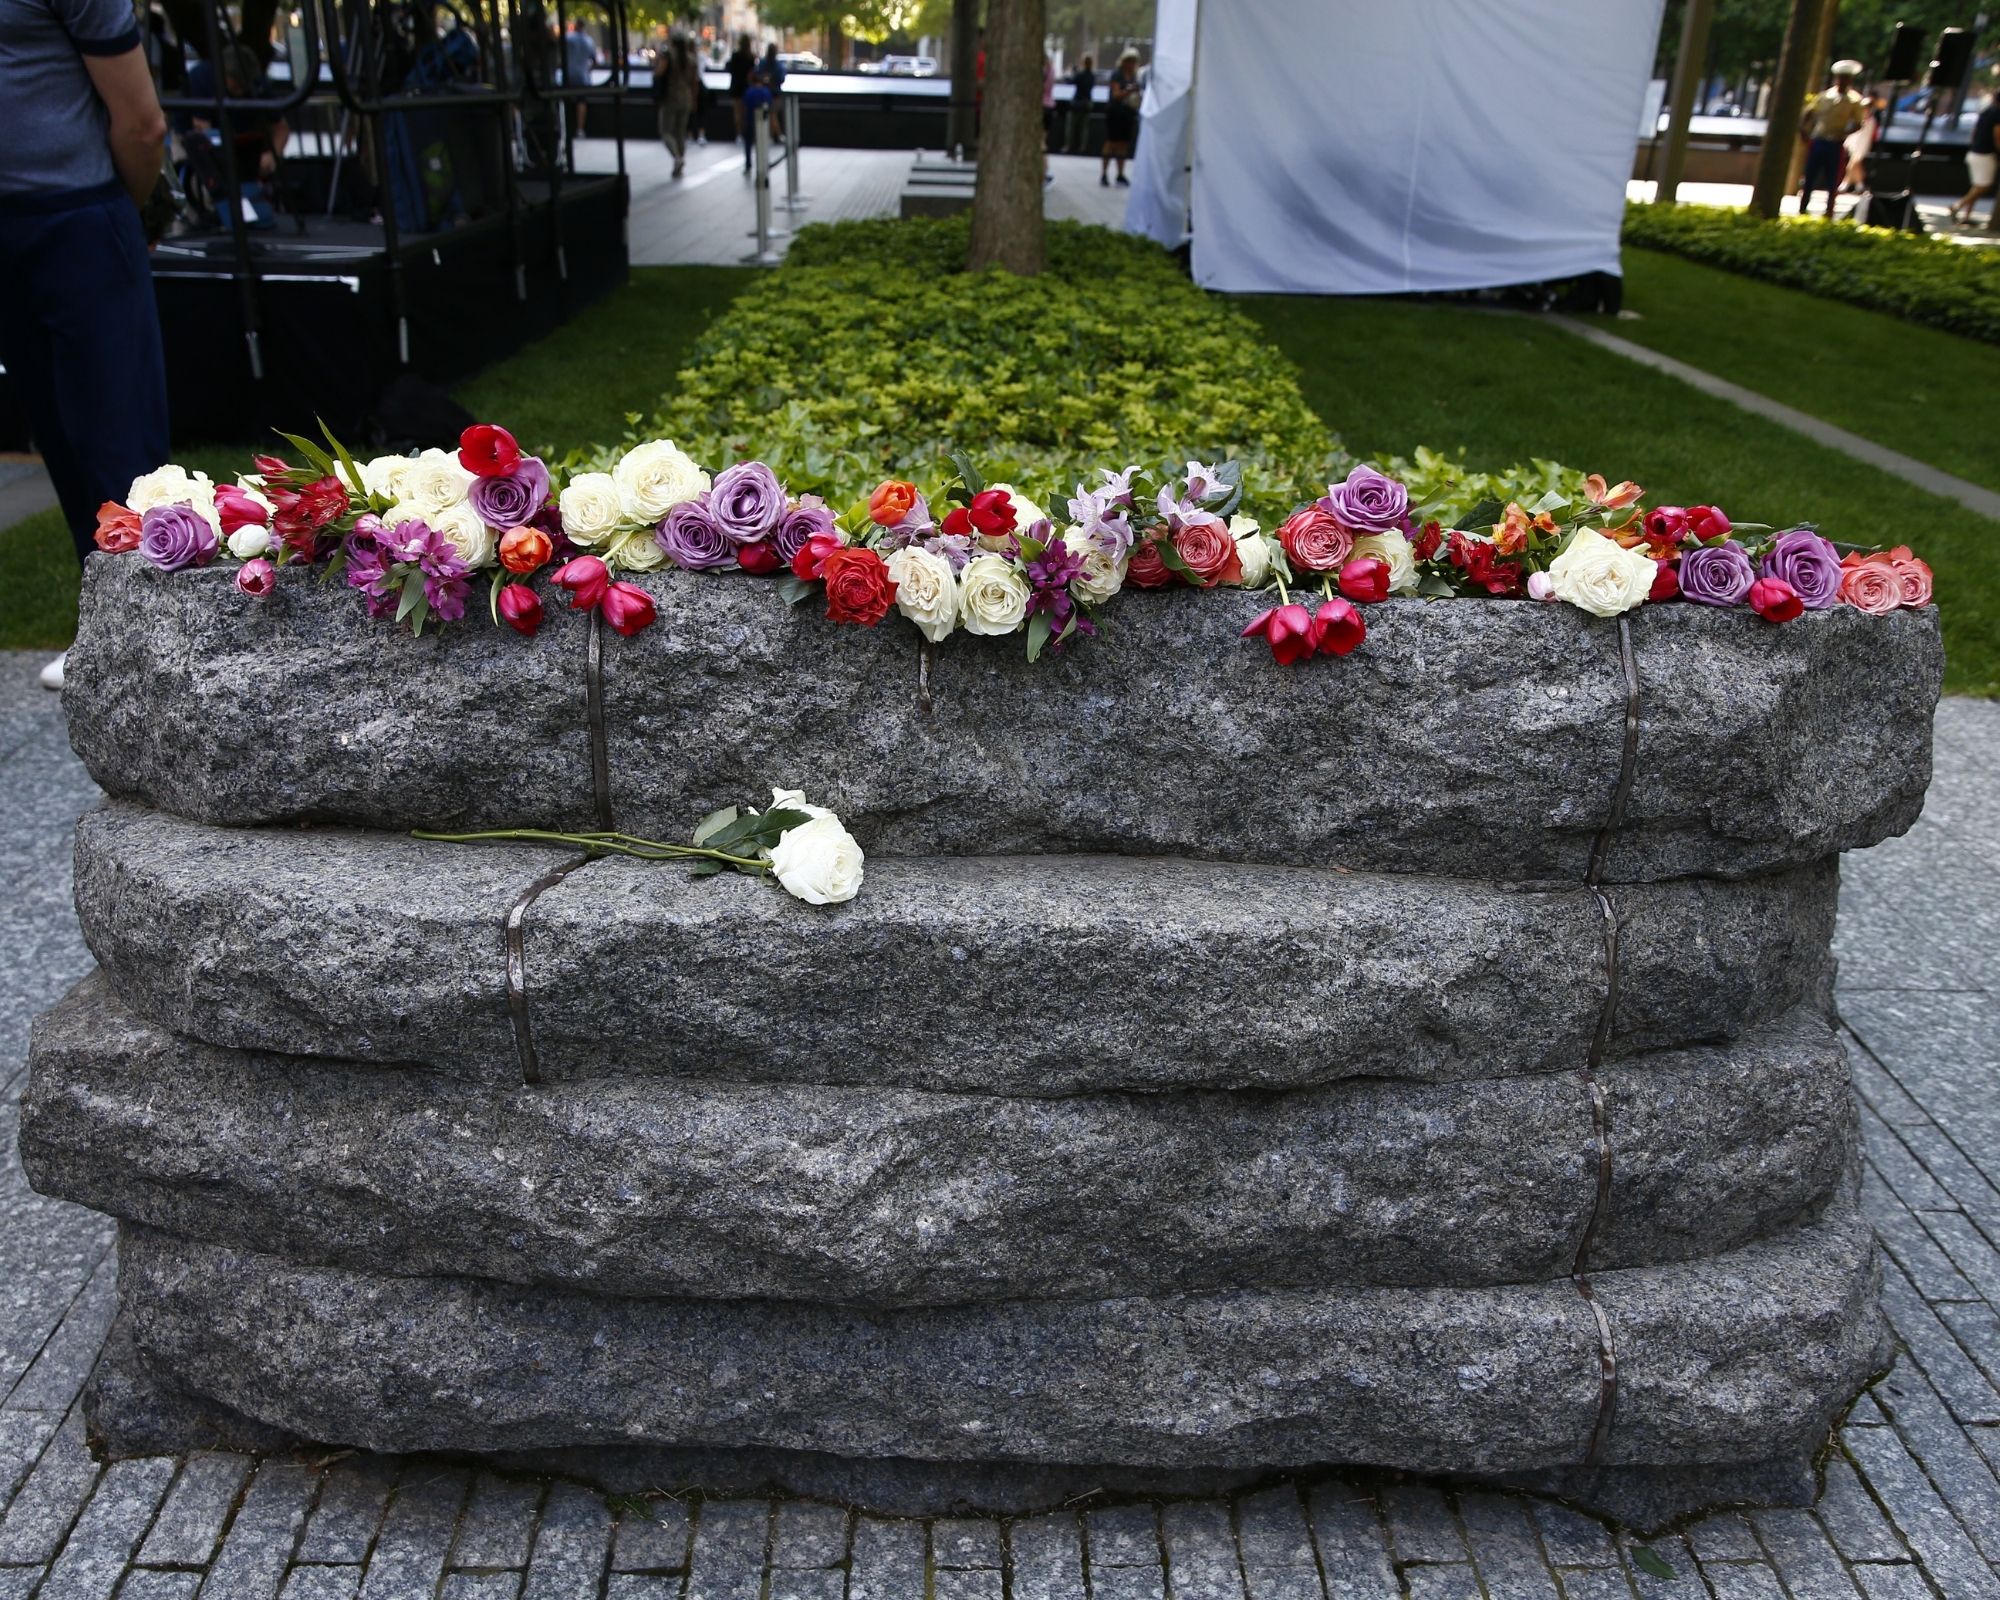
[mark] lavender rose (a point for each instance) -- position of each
(808, 517)
(510, 501)
(746, 502)
(172, 537)
(1717, 574)
(1368, 502)
(689, 535)
(1808, 563)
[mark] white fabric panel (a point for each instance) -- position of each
(1158, 206)
(1379, 146)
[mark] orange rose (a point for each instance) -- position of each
(891, 502)
(117, 528)
(523, 549)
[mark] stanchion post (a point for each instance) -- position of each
(794, 201)
(764, 255)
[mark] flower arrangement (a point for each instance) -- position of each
(411, 534)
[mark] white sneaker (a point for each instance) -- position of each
(52, 674)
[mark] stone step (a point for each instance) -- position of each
(1471, 738)
(1744, 1357)
(898, 1197)
(1025, 974)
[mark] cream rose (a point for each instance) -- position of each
(818, 861)
(1395, 551)
(249, 541)
(1600, 575)
(592, 509)
(992, 595)
(1101, 577)
(655, 477)
(926, 590)
(174, 486)
(635, 550)
(470, 537)
(385, 477)
(1253, 552)
(434, 483)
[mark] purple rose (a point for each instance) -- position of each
(692, 539)
(508, 502)
(1717, 574)
(172, 537)
(808, 517)
(1368, 502)
(1808, 563)
(746, 502)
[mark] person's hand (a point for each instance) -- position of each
(267, 164)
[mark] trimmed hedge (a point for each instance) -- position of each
(870, 352)
(1908, 275)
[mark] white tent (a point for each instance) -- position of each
(1381, 146)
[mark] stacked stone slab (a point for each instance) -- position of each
(1421, 1060)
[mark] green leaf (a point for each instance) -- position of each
(412, 596)
(353, 478)
(420, 613)
(1650, 1562)
(320, 461)
(493, 594)
(1483, 515)
(713, 822)
(1554, 500)
(1231, 473)
(1039, 628)
(702, 867)
(1434, 587)
(792, 589)
(968, 474)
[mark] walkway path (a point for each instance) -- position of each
(1912, 1503)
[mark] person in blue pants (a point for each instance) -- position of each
(79, 330)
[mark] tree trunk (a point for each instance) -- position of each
(962, 133)
(1822, 57)
(1788, 99)
(1007, 199)
(1687, 69)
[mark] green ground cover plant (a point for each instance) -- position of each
(1912, 276)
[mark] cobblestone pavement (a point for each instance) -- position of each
(1911, 1506)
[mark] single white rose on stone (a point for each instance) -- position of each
(1599, 575)
(818, 861)
(466, 534)
(592, 509)
(1253, 552)
(992, 595)
(1396, 552)
(655, 477)
(926, 590)
(434, 483)
(635, 550)
(249, 541)
(1101, 577)
(1026, 515)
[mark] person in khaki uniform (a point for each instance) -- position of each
(1827, 122)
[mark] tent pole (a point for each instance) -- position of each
(1689, 68)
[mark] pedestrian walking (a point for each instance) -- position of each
(676, 86)
(1121, 118)
(1837, 112)
(1859, 145)
(1082, 85)
(1982, 157)
(580, 59)
(79, 330)
(742, 66)
(771, 74)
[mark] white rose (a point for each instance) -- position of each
(1600, 575)
(1101, 577)
(386, 477)
(992, 595)
(655, 477)
(818, 861)
(466, 534)
(250, 540)
(1026, 515)
(1253, 554)
(1396, 551)
(175, 486)
(434, 483)
(591, 508)
(635, 550)
(926, 590)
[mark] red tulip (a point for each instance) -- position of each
(628, 608)
(1338, 627)
(1707, 523)
(811, 555)
(1365, 579)
(270, 466)
(1288, 629)
(234, 509)
(1775, 600)
(488, 451)
(586, 578)
(992, 512)
(1666, 582)
(1665, 524)
(257, 577)
(521, 608)
(759, 557)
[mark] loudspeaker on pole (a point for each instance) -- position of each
(1954, 56)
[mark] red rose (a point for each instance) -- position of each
(586, 578)
(488, 451)
(759, 557)
(524, 548)
(1666, 582)
(1313, 541)
(1365, 579)
(628, 608)
(117, 528)
(1207, 550)
(858, 586)
(1338, 628)
(1665, 524)
(521, 608)
(1775, 600)
(811, 555)
(1148, 569)
(1289, 631)
(1706, 523)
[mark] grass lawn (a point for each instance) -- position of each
(1929, 394)
(1391, 374)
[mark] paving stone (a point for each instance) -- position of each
(1743, 1580)
(1595, 1583)
(572, 1545)
(99, 1546)
(1123, 1536)
(1352, 1543)
(140, 1584)
(1977, 1330)
(352, 1497)
(59, 1371)
(1930, 1343)
(189, 1524)
(1951, 1462)
(1045, 1554)
(1282, 1583)
(17, 1583)
(41, 1513)
(335, 1583)
(1909, 1243)
(1803, 1554)
(1726, 1537)
(825, 1583)
(1894, 1583)
(955, 1542)
(1443, 1583)
(1852, 1519)
(1970, 1251)
(258, 1546)
(1969, 1188)
(652, 1539)
(1271, 1528)
(1573, 1539)
(24, 1435)
(488, 1586)
(889, 1559)
(1421, 1524)
(499, 1524)
(1924, 1520)
(984, 1583)
(730, 1538)
(416, 1534)
(1908, 1178)
(1683, 1581)
(1865, 1413)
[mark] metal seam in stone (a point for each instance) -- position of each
(1628, 763)
(925, 650)
(517, 966)
(593, 705)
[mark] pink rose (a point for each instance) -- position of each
(1913, 577)
(1871, 586)
(1313, 541)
